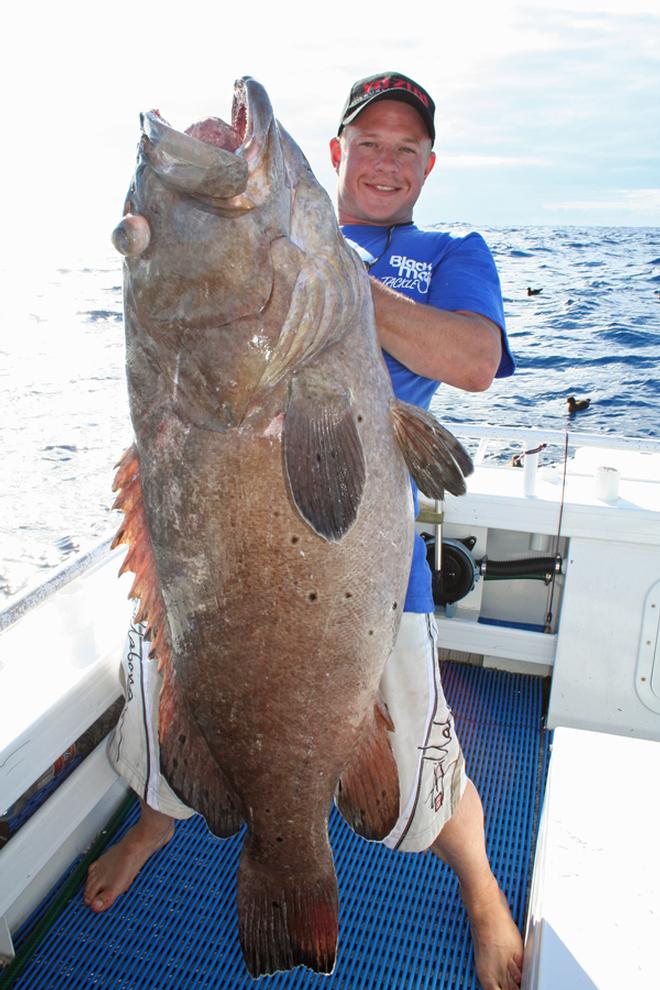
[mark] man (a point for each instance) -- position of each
(445, 323)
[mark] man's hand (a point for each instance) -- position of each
(460, 348)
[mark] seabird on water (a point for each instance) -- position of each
(577, 405)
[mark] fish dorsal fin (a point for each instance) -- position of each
(323, 454)
(140, 558)
(435, 458)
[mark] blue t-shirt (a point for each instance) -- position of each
(439, 270)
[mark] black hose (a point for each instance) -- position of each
(527, 566)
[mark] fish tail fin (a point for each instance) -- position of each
(189, 767)
(368, 790)
(435, 458)
(287, 918)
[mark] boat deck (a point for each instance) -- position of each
(402, 924)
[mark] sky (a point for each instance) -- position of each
(546, 114)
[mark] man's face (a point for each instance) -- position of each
(382, 160)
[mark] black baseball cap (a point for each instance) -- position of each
(388, 86)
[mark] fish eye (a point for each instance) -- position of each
(132, 235)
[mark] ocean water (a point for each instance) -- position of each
(593, 330)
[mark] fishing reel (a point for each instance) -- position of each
(459, 572)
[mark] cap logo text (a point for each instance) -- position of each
(393, 82)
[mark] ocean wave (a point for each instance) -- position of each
(558, 362)
(59, 452)
(627, 399)
(630, 338)
(66, 545)
(630, 358)
(101, 315)
(561, 323)
(546, 361)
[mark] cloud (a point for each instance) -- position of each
(629, 200)
(490, 161)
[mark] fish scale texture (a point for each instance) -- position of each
(402, 924)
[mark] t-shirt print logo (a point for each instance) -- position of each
(409, 274)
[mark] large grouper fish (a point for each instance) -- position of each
(267, 507)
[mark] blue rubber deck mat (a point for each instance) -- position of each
(402, 923)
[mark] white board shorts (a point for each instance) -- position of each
(430, 763)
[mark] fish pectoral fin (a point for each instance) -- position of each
(368, 790)
(188, 765)
(435, 458)
(323, 454)
(287, 916)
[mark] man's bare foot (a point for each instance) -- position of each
(114, 872)
(498, 947)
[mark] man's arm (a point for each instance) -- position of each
(461, 348)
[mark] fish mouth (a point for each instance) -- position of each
(214, 130)
(212, 160)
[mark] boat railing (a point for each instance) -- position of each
(58, 578)
(532, 441)
(575, 438)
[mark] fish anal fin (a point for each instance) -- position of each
(188, 765)
(323, 455)
(435, 458)
(368, 790)
(287, 917)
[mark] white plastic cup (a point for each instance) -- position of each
(607, 483)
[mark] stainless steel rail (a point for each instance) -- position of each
(575, 439)
(63, 575)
